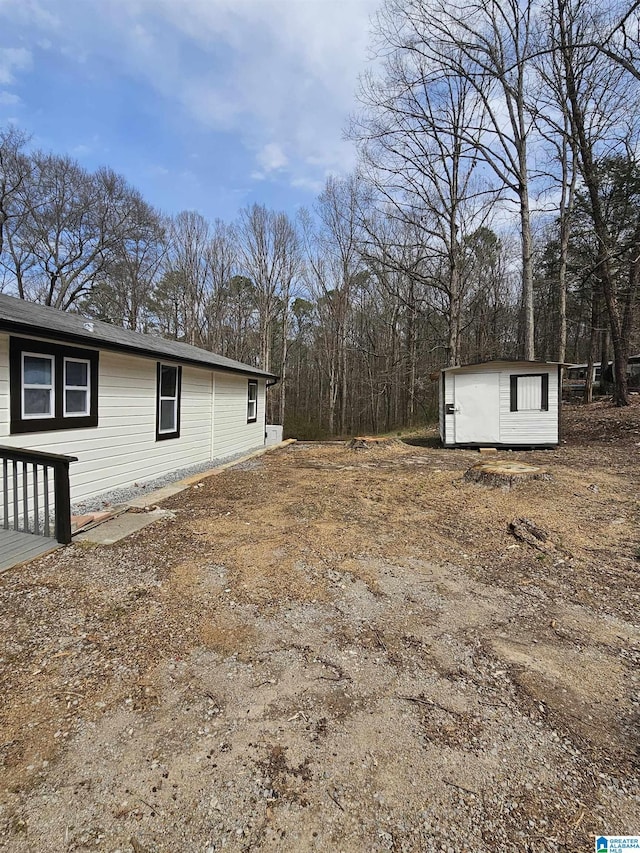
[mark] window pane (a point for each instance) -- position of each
(529, 393)
(37, 371)
(76, 373)
(76, 403)
(168, 381)
(167, 416)
(252, 403)
(37, 402)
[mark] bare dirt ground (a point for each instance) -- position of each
(338, 650)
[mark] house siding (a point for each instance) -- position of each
(123, 449)
(231, 432)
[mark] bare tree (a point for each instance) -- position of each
(488, 45)
(187, 261)
(553, 118)
(603, 103)
(269, 251)
(333, 263)
(222, 261)
(124, 292)
(15, 169)
(70, 225)
(419, 140)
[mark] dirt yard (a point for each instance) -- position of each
(338, 650)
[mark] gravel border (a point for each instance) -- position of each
(116, 497)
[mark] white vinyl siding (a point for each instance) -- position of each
(231, 432)
(4, 387)
(532, 426)
(122, 449)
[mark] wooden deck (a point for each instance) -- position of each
(18, 548)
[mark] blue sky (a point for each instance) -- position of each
(205, 105)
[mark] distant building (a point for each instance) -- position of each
(576, 374)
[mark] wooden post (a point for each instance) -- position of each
(62, 502)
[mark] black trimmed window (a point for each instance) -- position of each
(252, 402)
(77, 387)
(168, 392)
(529, 392)
(52, 386)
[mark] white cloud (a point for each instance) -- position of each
(292, 71)
(29, 12)
(13, 59)
(272, 158)
(279, 74)
(311, 184)
(8, 99)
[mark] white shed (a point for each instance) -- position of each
(501, 404)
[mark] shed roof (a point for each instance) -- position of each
(19, 316)
(506, 361)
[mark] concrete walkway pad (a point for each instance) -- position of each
(124, 525)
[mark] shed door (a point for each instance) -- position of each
(477, 408)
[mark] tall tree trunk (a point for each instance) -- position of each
(604, 354)
(527, 268)
(590, 176)
(412, 346)
(593, 340)
(566, 208)
(283, 369)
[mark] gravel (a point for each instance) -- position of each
(116, 497)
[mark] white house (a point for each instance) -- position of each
(130, 407)
(501, 403)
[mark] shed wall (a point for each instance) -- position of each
(515, 427)
(449, 420)
(528, 427)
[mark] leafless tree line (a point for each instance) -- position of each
(501, 110)
(495, 212)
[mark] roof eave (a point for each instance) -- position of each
(16, 327)
(505, 361)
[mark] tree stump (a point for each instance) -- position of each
(366, 442)
(504, 474)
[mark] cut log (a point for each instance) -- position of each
(366, 442)
(526, 531)
(504, 473)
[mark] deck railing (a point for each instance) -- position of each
(35, 495)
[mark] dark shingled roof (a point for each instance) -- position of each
(27, 318)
